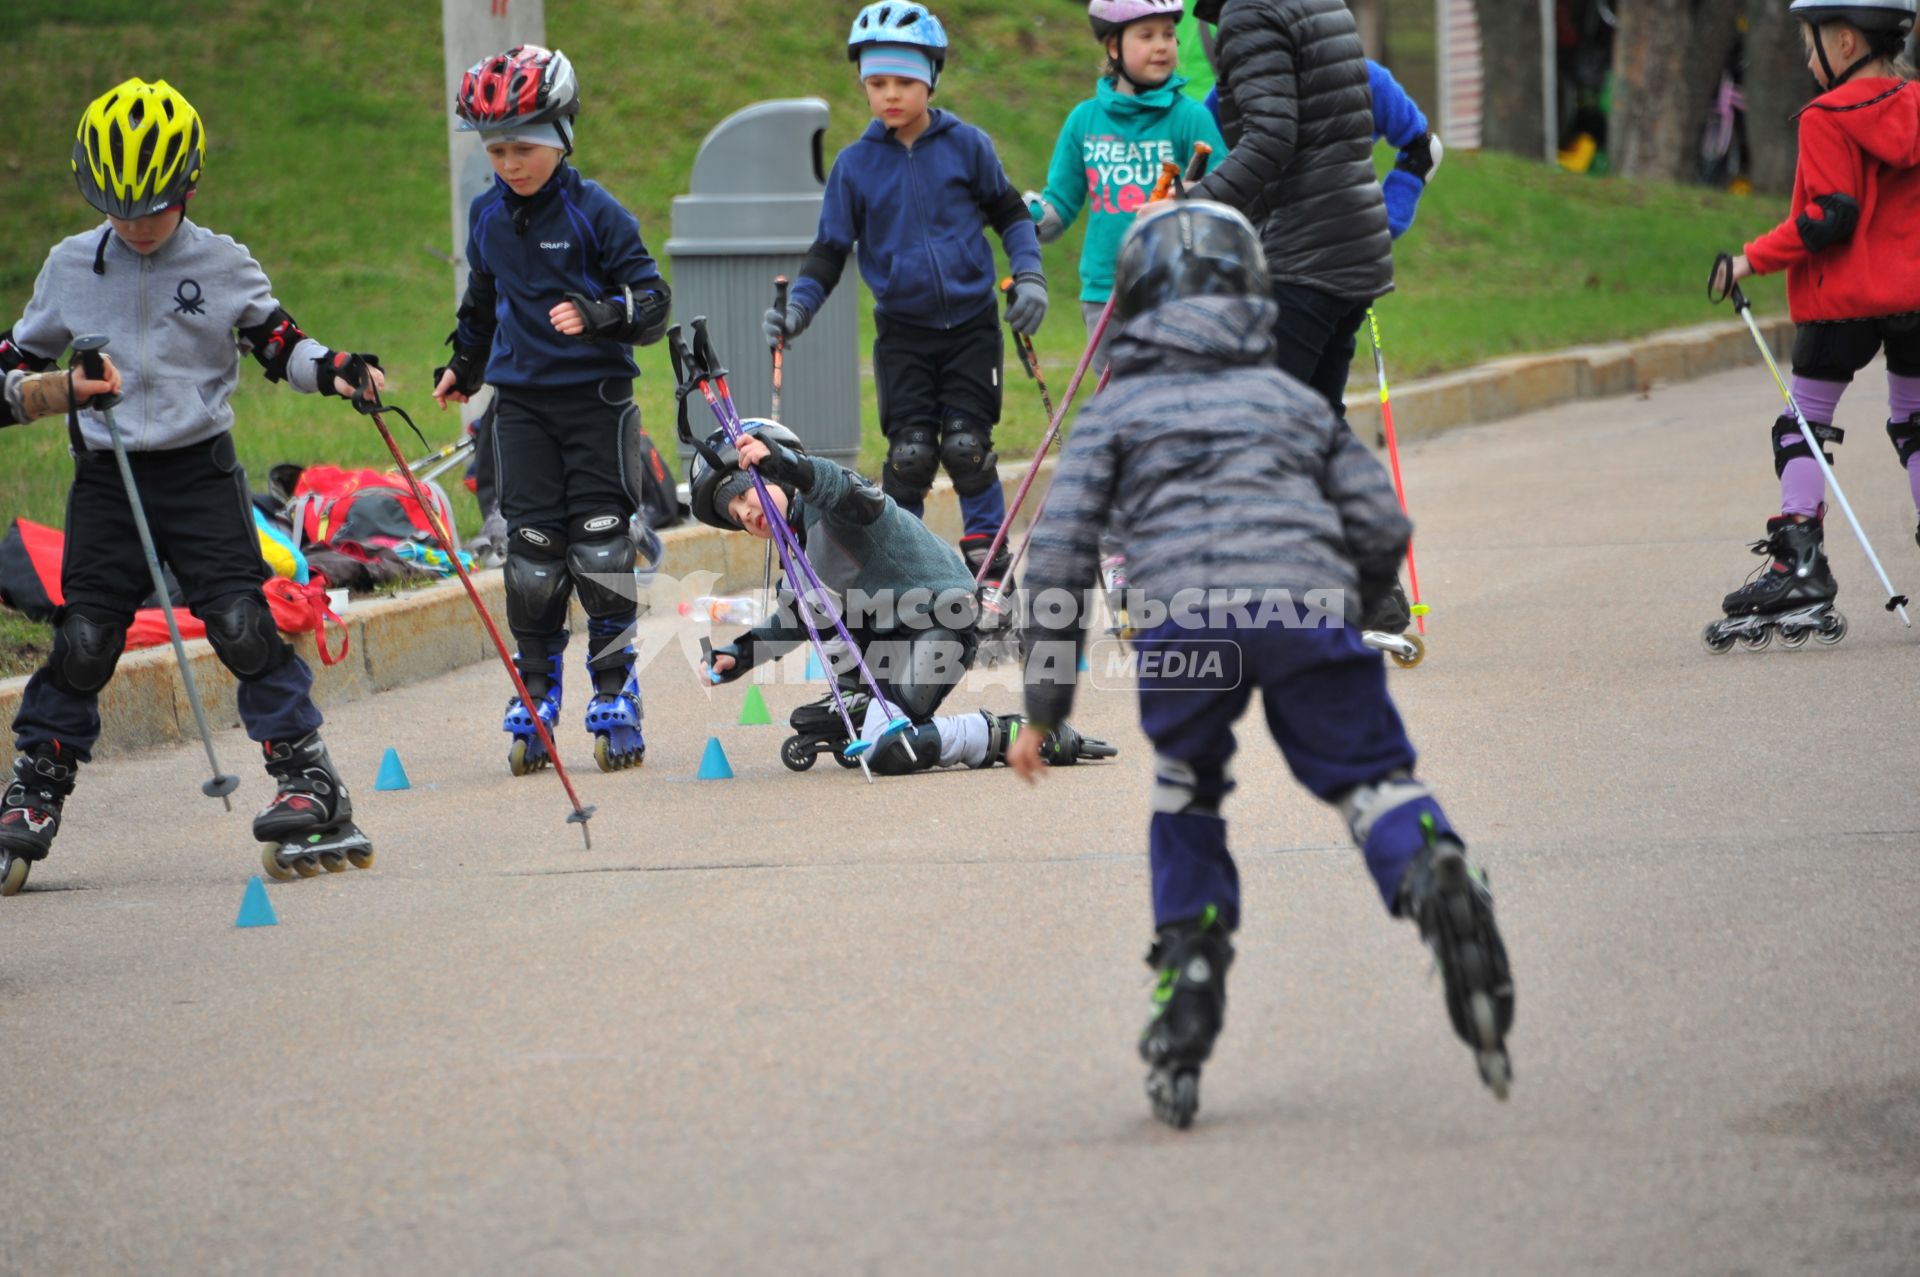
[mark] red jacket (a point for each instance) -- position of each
(1860, 141)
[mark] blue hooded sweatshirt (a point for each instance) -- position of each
(527, 253)
(919, 216)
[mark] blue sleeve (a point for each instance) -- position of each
(623, 254)
(992, 187)
(838, 231)
(1396, 117)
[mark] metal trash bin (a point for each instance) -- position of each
(750, 215)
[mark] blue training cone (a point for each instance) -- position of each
(1086, 666)
(814, 673)
(255, 909)
(392, 774)
(714, 765)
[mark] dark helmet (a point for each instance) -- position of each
(1188, 248)
(717, 477)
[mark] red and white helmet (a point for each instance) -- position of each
(1109, 17)
(527, 85)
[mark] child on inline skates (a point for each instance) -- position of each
(915, 193)
(180, 304)
(910, 598)
(1851, 251)
(560, 291)
(1197, 419)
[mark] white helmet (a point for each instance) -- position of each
(1109, 16)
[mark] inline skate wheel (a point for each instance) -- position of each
(16, 875)
(1795, 639)
(1833, 628)
(1717, 643)
(270, 861)
(1419, 652)
(1757, 640)
(1495, 1069)
(362, 859)
(851, 764)
(1175, 1096)
(333, 862)
(307, 866)
(517, 758)
(796, 754)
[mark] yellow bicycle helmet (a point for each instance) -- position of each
(139, 149)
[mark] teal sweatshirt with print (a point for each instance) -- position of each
(1108, 159)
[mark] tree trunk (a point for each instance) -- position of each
(1648, 135)
(1513, 113)
(1778, 84)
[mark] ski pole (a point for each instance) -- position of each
(1023, 346)
(437, 462)
(691, 374)
(1393, 455)
(367, 400)
(730, 422)
(220, 785)
(1168, 171)
(1720, 286)
(773, 411)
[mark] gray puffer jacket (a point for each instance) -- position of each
(1296, 108)
(1216, 472)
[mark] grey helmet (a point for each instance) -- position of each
(717, 476)
(1188, 248)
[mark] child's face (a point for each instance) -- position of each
(146, 234)
(1149, 49)
(745, 510)
(895, 100)
(1844, 45)
(524, 166)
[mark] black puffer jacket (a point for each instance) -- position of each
(1296, 109)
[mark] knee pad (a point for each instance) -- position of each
(932, 665)
(967, 451)
(892, 759)
(1789, 443)
(913, 458)
(1181, 788)
(244, 637)
(538, 583)
(601, 557)
(86, 648)
(1906, 439)
(1364, 806)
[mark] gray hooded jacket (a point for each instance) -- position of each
(172, 318)
(1215, 471)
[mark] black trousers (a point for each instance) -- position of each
(1315, 339)
(1836, 351)
(198, 507)
(563, 454)
(925, 375)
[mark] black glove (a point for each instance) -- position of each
(469, 365)
(782, 327)
(740, 666)
(350, 368)
(1383, 606)
(626, 318)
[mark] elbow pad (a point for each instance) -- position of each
(863, 503)
(1420, 157)
(1839, 215)
(15, 358)
(272, 342)
(630, 320)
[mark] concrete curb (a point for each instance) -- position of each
(424, 633)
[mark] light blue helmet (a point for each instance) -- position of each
(899, 22)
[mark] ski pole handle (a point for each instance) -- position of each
(709, 363)
(1197, 165)
(1721, 284)
(1022, 346)
(1168, 172)
(780, 293)
(87, 350)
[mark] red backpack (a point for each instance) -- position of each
(364, 507)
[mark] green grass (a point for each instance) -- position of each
(328, 159)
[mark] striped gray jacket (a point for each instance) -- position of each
(1214, 471)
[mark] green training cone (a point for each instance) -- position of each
(753, 712)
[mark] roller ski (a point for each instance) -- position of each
(1385, 630)
(528, 753)
(30, 813)
(614, 720)
(1791, 595)
(1189, 1008)
(1450, 901)
(1061, 747)
(308, 827)
(818, 729)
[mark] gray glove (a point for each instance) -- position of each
(781, 329)
(1046, 218)
(1029, 305)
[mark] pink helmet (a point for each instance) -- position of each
(1109, 16)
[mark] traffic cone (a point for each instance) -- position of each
(392, 774)
(814, 673)
(255, 909)
(753, 713)
(714, 766)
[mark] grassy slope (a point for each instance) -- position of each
(328, 159)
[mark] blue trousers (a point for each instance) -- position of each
(1326, 702)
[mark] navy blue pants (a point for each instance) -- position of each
(1325, 696)
(1315, 339)
(199, 510)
